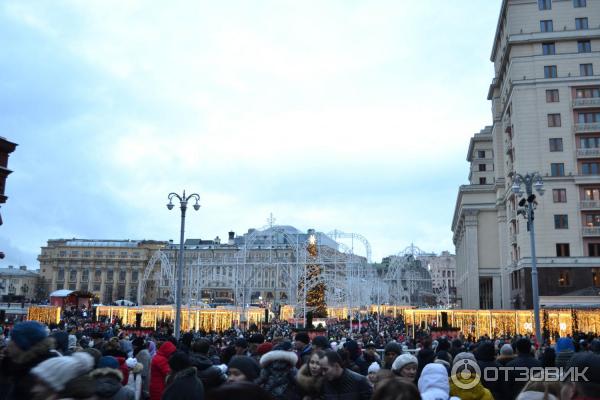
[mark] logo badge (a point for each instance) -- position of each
(466, 374)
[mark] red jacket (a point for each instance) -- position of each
(123, 368)
(159, 369)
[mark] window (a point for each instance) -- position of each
(75, 253)
(562, 250)
(557, 169)
(586, 69)
(72, 275)
(109, 275)
(581, 23)
(481, 154)
(97, 275)
(482, 181)
(545, 4)
(592, 220)
(482, 167)
(61, 274)
(99, 253)
(587, 93)
(550, 71)
(87, 253)
(96, 288)
(591, 194)
(62, 253)
(552, 96)
(556, 144)
(590, 142)
(546, 25)
(123, 254)
(561, 221)
(594, 251)
(548, 49)
(121, 276)
(559, 195)
(588, 117)
(85, 274)
(579, 3)
(553, 120)
(134, 276)
(596, 276)
(590, 168)
(584, 46)
(564, 279)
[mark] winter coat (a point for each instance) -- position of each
(134, 382)
(278, 374)
(159, 369)
(512, 388)
(15, 370)
(485, 356)
(349, 386)
(108, 385)
(144, 358)
(479, 392)
(563, 358)
(433, 383)
(304, 356)
(503, 360)
(210, 375)
(309, 386)
(184, 385)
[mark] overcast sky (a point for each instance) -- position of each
(350, 115)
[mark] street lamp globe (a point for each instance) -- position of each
(196, 206)
(170, 206)
(516, 188)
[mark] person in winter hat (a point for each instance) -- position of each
(390, 353)
(134, 381)
(183, 383)
(29, 345)
(277, 374)
(565, 348)
(340, 382)
(405, 366)
(53, 374)
(159, 369)
(464, 377)
(210, 375)
(372, 371)
(310, 378)
(108, 379)
(433, 383)
(506, 354)
(142, 355)
(486, 358)
(242, 368)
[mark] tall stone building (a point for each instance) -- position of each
(546, 118)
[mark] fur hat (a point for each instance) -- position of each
(403, 360)
(28, 333)
(56, 372)
(279, 355)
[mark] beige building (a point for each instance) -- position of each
(546, 118)
(17, 282)
(111, 269)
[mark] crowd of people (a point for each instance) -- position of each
(378, 361)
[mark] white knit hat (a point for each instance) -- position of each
(403, 360)
(374, 367)
(131, 362)
(56, 372)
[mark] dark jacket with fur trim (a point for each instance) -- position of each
(278, 375)
(108, 385)
(184, 385)
(16, 369)
(309, 386)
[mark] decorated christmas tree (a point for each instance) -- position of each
(315, 296)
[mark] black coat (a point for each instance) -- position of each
(210, 375)
(512, 387)
(350, 386)
(185, 385)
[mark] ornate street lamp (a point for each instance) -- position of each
(531, 181)
(183, 200)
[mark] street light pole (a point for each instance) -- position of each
(183, 200)
(531, 181)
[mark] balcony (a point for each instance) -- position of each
(591, 231)
(588, 153)
(587, 128)
(590, 204)
(588, 102)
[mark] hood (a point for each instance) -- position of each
(167, 349)
(107, 385)
(37, 352)
(200, 361)
(434, 378)
(279, 355)
(185, 373)
(476, 393)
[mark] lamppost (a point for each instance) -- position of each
(531, 181)
(183, 200)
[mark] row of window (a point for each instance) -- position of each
(547, 25)
(552, 95)
(551, 71)
(583, 46)
(97, 275)
(560, 195)
(98, 253)
(587, 168)
(547, 4)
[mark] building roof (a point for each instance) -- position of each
(61, 293)
(17, 272)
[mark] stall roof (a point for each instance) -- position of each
(61, 293)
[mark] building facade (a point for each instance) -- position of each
(545, 99)
(442, 269)
(18, 283)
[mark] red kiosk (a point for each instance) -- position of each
(69, 299)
